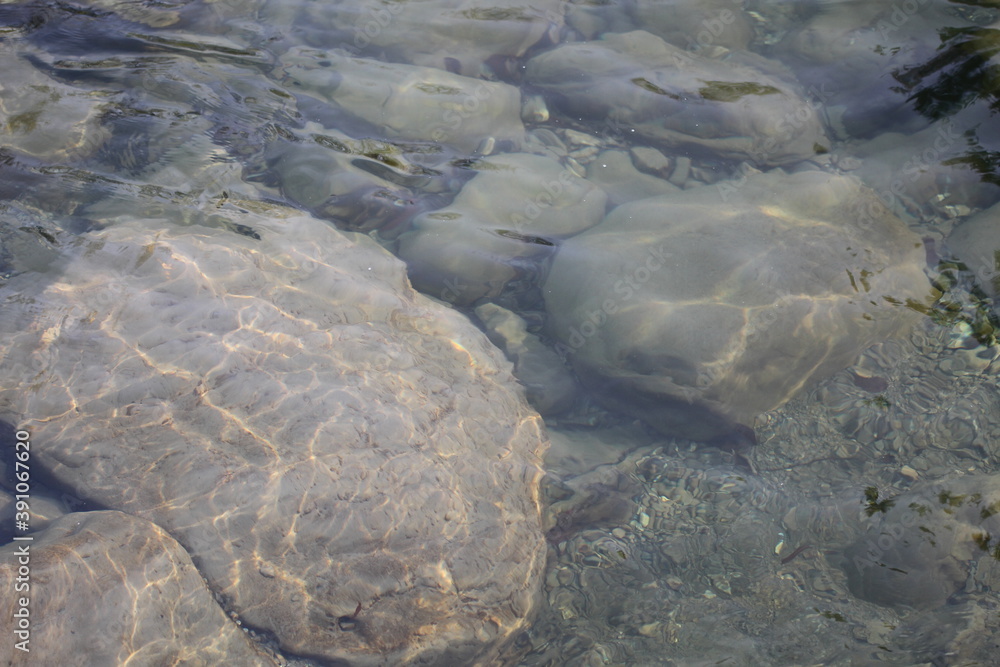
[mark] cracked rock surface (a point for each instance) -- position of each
(350, 465)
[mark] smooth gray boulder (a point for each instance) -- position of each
(155, 17)
(407, 101)
(361, 185)
(107, 588)
(694, 24)
(922, 546)
(548, 383)
(844, 51)
(682, 99)
(617, 175)
(920, 176)
(976, 241)
(46, 118)
(463, 36)
(352, 466)
(706, 307)
(516, 208)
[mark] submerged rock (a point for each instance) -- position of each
(709, 306)
(350, 465)
(692, 24)
(679, 98)
(107, 588)
(515, 209)
(47, 119)
(361, 185)
(550, 387)
(146, 14)
(845, 50)
(463, 37)
(923, 545)
(409, 102)
(616, 173)
(865, 58)
(976, 242)
(921, 176)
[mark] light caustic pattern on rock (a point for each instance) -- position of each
(113, 589)
(314, 432)
(687, 307)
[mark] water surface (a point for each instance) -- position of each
(475, 140)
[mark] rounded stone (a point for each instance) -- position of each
(706, 307)
(300, 420)
(514, 210)
(119, 590)
(922, 545)
(745, 108)
(976, 241)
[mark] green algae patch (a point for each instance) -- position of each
(729, 91)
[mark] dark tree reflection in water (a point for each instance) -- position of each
(963, 75)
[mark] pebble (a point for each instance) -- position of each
(650, 160)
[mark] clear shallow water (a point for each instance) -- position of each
(388, 119)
